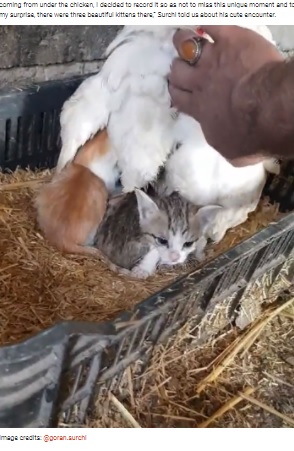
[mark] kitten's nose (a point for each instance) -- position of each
(174, 256)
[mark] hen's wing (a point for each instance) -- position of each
(141, 118)
(87, 111)
(129, 96)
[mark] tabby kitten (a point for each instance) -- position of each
(141, 231)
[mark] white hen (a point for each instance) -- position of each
(130, 97)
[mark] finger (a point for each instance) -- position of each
(237, 162)
(182, 75)
(245, 161)
(180, 99)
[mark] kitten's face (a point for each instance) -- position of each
(174, 244)
(170, 225)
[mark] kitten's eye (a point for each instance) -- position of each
(188, 243)
(162, 241)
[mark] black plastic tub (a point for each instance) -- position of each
(62, 370)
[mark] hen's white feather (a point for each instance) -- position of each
(203, 176)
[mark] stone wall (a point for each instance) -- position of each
(37, 53)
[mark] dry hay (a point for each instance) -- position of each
(40, 287)
(262, 291)
(238, 379)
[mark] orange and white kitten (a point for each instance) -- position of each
(72, 205)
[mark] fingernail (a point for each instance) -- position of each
(200, 31)
(204, 35)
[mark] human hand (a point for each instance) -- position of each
(210, 90)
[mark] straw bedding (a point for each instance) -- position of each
(39, 286)
(237, 379)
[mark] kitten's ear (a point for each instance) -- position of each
(146, 206)
(206, 216)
